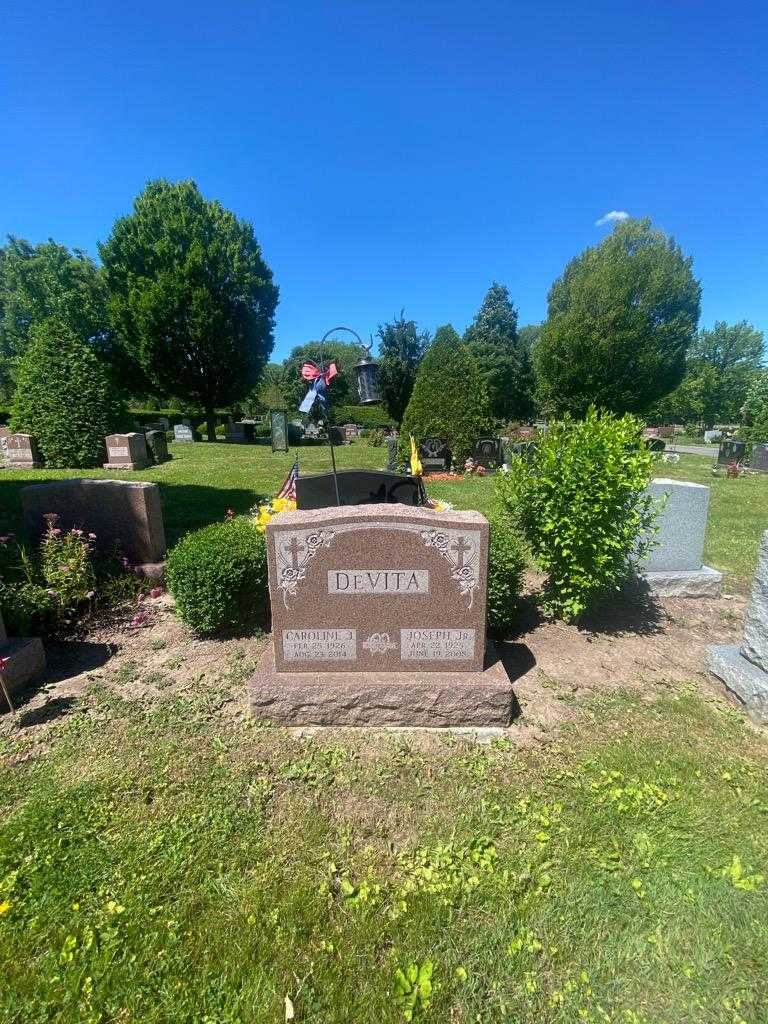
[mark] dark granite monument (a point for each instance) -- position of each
(357, 487)
(435, 455)
(487, 453)
(730, 451)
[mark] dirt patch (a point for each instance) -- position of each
(637, 642)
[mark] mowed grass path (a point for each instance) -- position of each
(164, 863)
(203, 480)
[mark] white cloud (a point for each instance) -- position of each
(612, 217)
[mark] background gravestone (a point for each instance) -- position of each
(379, 617)
(674, 567)
(4, 435)
(278, 430)
(336, 436)
(487, 453)
(759, 459)
(391, 443)
(127, 451)
(240, 433)
(124, 512)
(183, 433)
(22, 452)
(434, 454)
(157, 446)
(730, 451)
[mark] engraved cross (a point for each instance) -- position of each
(294, 548)
(461, 548)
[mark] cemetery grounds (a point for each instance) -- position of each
(164, 858)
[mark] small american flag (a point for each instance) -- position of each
(288, 490)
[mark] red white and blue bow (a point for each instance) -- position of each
(320, 381)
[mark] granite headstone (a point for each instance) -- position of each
(24, 661)
(356, 487)
(730, 451)
(127, 451)
(744, 667)
(759, 459)
(674, 566)
(434, 454)
(183, 433)
(157, 446)
(22, 452)
(123, 512)
(487, 453)
(378, 617)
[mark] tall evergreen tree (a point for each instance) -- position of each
(401, 349)
(191, 296)
(65, 396)
(621, 319)
(449, 399)
(504, 361)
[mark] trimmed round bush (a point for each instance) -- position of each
(65, 397)
(218, 577)
(506, 562)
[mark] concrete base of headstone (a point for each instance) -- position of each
(25, 660)
(703, 582)
(152, 570)
(382, 699)
(745, 680)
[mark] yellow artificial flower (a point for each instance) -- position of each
(283, 505)
(264, 516)
(416, 468)
(5, 906)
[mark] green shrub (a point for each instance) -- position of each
(582, 507)
(449, 399)
(506, 562)
(218, 577)
(375, 438)
(370, 416)
(65, 398)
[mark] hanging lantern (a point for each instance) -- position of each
(367, 371)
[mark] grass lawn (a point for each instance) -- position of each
(163, 861)
(203, 480)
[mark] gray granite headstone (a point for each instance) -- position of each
(681, 525)
(742, 667)
(183, 433)
(759, 460)
(674, 566)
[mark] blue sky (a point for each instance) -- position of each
(401, 154)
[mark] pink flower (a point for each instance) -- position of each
(76, 533)
(91, 536)
(56, 532)
(230, 513)
(156, 592)
(63, 568)
(140, 619)
(3, 665)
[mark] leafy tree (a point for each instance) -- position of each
(504, 361)
(272, 392)
(343, 389)
(190, 295)
(65, 397)
(449, 399)
(621, 319)
(401, 349)
(720, 367)
(728, 346)
(41, 281)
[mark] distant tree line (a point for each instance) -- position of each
(181, 308)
